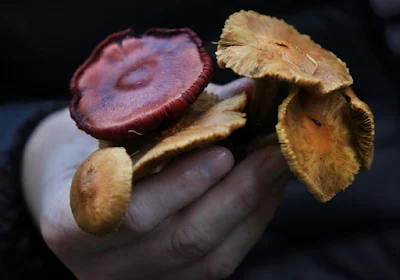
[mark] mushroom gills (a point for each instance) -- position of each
(316, 137)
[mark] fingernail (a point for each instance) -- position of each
(273, 167)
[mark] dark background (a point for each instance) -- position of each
(357, 234)
(43, 42)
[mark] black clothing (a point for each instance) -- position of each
(355, 236)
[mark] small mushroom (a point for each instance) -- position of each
(132, 84)
(102, 186)
(269, 50)
(101, 190)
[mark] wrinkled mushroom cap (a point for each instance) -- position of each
(317, 141)
(258, 46)
(131, 84)
(363, 127)
(101, 190)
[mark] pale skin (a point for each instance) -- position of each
(196, 219)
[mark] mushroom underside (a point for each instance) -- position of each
(316, 137)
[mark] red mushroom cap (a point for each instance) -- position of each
(131, 84)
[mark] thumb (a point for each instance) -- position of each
(53, 153)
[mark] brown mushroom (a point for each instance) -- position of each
(132, 84)
(326, 133)
(99, 206)
(318, 141)
(101, 190)
(269, 50)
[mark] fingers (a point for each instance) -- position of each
(158, 197)
(52, 154)
(202, 227)
(223, 261)
(197, 230)
(232, 88)
(212, 218)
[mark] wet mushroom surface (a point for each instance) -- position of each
(132, 83)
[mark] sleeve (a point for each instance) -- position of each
(23, 253)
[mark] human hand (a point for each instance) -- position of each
(196, 219)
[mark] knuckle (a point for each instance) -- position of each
(220, 269)
(134, 222)
(189, 243)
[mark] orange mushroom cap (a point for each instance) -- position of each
(258, 46)
(317, 141)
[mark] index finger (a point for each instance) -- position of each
(230, 89)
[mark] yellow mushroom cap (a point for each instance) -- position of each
(317, 141)
(257, 46)
(363, 127)
(101, 190)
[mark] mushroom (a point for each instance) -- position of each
(315, 132)
(269, 51)
(101, 190)
(132, 84)
(101, 187)
(326, 133)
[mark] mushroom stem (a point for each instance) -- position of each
(261, 102)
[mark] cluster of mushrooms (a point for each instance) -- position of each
(144, 98)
